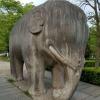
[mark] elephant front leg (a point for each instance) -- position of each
(58, 76)
(37, 88)
(71, 82)
(16, 68)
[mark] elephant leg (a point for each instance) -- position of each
(35, 68)
(19, 69)
(16, 68)
(12, 67)
(28, 68)
(58, 77)
(72, 80)
(40, 74)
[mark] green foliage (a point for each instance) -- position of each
(6, 24)
(91, 46)
(10, 12)
(11, 6)
(11, 80)
(27, 7)
(27, 93)
(91, 75)
(90, 63)
(92, 39)
(88, 52)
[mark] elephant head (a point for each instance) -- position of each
(64, 33)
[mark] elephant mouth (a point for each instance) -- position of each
(58, 57)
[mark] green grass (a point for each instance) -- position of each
(27, 93)
(3, 58)
(11, 80)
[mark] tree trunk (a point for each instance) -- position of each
(98, 36)
(98, 47)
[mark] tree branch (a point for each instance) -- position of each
(90, 4)
(98, 4)
(90, 17)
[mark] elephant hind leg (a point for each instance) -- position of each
(19, 69)
(58, 77)
(13, 68)
(16, 68)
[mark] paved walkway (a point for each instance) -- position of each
(4, 68)
(87, 91)
(10, 92)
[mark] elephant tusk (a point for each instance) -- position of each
(62, 59)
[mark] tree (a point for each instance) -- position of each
(91, 46)
(94, 18)
(10, 12)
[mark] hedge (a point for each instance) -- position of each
(91, 75)
(90, 63)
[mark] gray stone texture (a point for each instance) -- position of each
(52, 34)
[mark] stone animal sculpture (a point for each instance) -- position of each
(54, 33)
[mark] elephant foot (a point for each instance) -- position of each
(37, 93)
(59, 94)
(20, 79)
(13, 78)
(46, 96)
(22, 85)
(40, 97)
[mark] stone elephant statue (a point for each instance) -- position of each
(54, 33)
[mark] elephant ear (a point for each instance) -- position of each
(36, 23)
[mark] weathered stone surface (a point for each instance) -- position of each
(53, 34)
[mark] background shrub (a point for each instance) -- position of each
(89, 63)
(91, 75)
